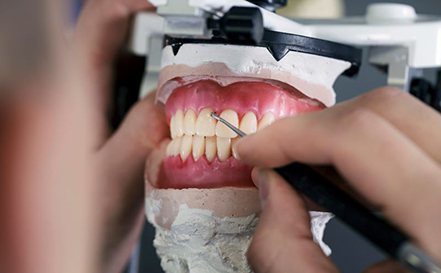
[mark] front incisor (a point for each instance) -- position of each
(248, 124)
(266, 120)
(198, 147)
(190, 122)
(222, 130)
(223, 148)
(210, 148)
(205, 124)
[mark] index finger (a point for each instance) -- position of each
(408, 114)
(102, 27)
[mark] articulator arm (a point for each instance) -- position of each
(398, 40)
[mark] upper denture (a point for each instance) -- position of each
(241, 97)
(200, 152)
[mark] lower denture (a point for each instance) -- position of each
(199, 155)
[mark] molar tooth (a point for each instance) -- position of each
(205, 124)
(266, 120)
(177, 124)
(223, 148)
(198, 147)
(222, 130)
(210, 148)
(248, 124)
(186, 147)
(189, 122)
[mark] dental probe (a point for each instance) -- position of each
(374, 228)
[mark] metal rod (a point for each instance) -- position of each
(229, 125)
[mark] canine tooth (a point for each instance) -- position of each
(233, 142)
(198, 147)
(186, 147)
(205, 124)
(173, 147)
(266, 120)
(189, 122)
(248, 124)
(210, 148)
(223, 148)
(168, 151)
(224, 131)
(177, 124)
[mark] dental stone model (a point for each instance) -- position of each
(200, 198)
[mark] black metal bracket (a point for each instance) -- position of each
(427, 92)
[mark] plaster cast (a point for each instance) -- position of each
(313, 75)
(199, 240)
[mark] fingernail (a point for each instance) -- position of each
(244, 141)
(260, 179)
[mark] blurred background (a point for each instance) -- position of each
(350, 252)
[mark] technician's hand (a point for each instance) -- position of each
(385, 143)
(120, 157)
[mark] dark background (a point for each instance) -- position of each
(351, 253)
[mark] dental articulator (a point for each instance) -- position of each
(192, 33)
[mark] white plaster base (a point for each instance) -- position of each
(197, 241)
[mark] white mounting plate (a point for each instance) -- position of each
(421, 37)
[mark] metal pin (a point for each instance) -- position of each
(229, 125)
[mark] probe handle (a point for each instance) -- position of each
(324, 193)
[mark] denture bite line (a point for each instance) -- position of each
(200, 134)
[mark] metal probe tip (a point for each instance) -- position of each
(229, 125)
(213, 115)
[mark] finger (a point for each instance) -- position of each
(387, 266)
(121, 166)
(378, 161)
(154, 172)
(99, 35)
(405, 112)
(102, 28)
(283, 241)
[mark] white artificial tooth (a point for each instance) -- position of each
(177, 146)
(248, 124)
(223, 148)
(173, 147)
(233, 142)
(266, 120)
(224, 131)
(210, 148)
(198, 147)
(177, 124)
(172, 127)
(205, 124)
(186, 144)
(189, 122)
(169, 150)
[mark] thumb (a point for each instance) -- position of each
(283, 240)
(123, 155)
(120, 165)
